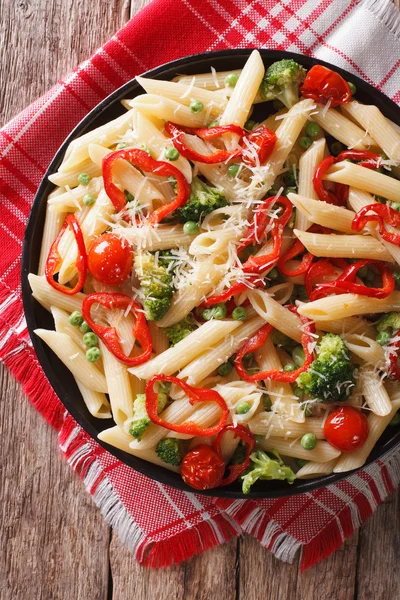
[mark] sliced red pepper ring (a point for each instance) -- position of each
(294, 251)
(109, 335)
(142, 160)
(248, 438)
(195, 396)
(236, 288)
(318, 270)
(341, 190)
(346, 282)
(54, 259)
(324, 85)
(382, 213)
(262, 141)
(176, 133)
(259, 339)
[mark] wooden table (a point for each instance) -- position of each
(54, 543)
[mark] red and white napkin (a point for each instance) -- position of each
(159, 524)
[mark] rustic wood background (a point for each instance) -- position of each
(54, 543)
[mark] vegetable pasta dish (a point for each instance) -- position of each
(225, 286)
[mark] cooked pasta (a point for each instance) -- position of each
(217, 288)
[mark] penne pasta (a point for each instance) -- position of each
(368, 180)
(343, 246)
(323, 452)
(374, 392)
(342, 129)
(307, 164)
(348, 305)
(322, 213)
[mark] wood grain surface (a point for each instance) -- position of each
(54, 545)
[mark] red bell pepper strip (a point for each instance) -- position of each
(109, 335)
(383, 213)
(294, 251)
(176, 133)
(323, 85)
(340, 197)
(263, 141)
(236, 288)
(345, 283)
(145, 162)
(248, 438)
(259, 339)
(195, 396)
(54, 259)
(318, 270)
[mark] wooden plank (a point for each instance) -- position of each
(262, 575)
(379, 553)
(333, 578)
(53, 539)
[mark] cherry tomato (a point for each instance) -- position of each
(346, 429)
(110, 259)
(265, 139)
(202, 468)
(322, 84)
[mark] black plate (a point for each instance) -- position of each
(36, 316)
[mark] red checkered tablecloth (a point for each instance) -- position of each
(160, 524)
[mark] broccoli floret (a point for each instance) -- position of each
(281, 81)
(202, 200)
(170, 451)
(179, 331)
(390, 323)
(331, 375)
(141, 419)
(264, 467)
(155, 276)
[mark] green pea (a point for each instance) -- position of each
(88, 199)
(90, 339)
(273, 274)
(300, 462)
(395, 206)
(298, 356)
(165, 387)
(259, 438)
(396, 419)
(289, 367)
(225, 369)
(305, 142)
(231, 79)
(121, 145)
(336, 148)
(190, 227)
(196, 106)
(312, 129)
(352, 87)
(297, 391)
(213, 124)
(243, 408)
(277, 104)
(84, 327)
(308, 441)
(396, 275)
(171, 154)
(83, 178)
(75, 318)
(382, 338)
(233, 170)
(216, 312)
(249, 125)
(93, 354)
(239, 313)
(267, 403)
